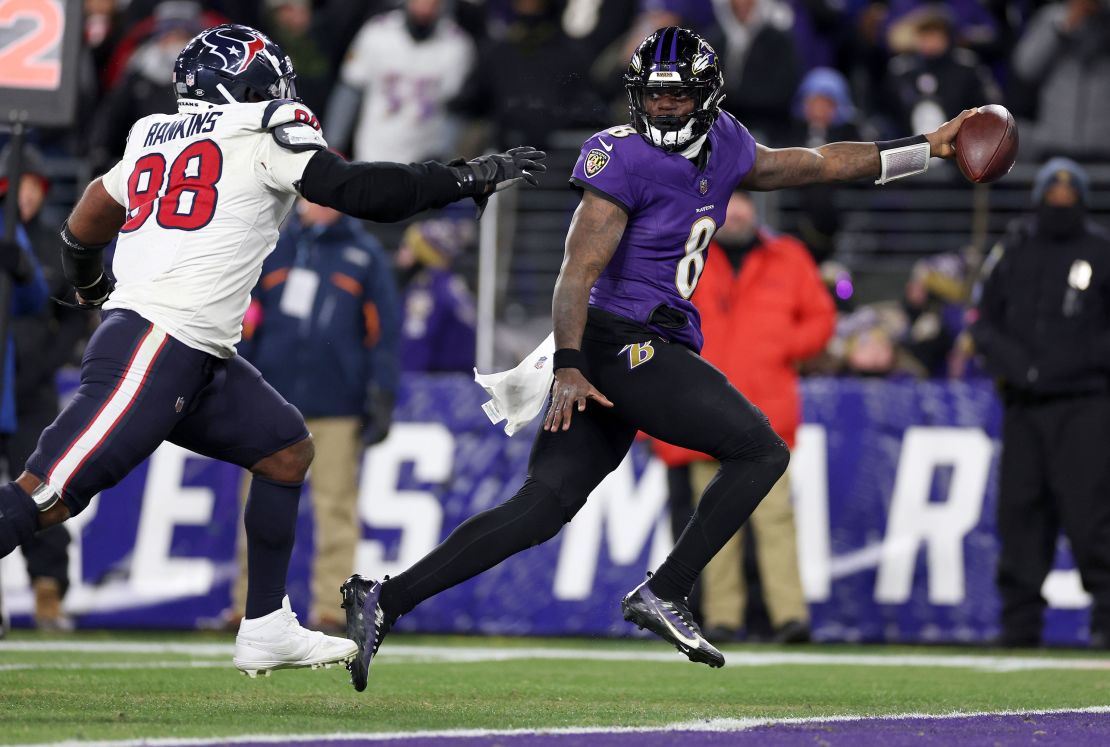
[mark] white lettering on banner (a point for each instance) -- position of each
(915, 521)
(417, 513)
(630, 512)
(1063, 590)
(809, 486)
(166, 504)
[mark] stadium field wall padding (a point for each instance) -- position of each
(894, 485)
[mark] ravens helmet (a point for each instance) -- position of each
(674, 60)
(231, 64)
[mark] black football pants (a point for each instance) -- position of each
(1054, 475)
(657, 387)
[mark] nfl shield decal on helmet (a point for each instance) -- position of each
(596, 160)
(703, 187)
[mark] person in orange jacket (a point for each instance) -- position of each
(764, 308)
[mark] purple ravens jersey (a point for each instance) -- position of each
(673, 211)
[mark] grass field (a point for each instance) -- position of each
(128, 686)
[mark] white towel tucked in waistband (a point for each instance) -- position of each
(519, 394)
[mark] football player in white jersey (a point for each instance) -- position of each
(196, 203)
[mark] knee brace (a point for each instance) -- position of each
(19, 518)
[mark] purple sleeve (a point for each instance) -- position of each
(743, 144)
(603, 168)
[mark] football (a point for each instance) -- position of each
(987, 144)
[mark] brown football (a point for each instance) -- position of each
(987, 144)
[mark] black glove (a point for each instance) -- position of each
(378, 416)
(482, 176)
(15, 262)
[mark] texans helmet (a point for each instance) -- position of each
(231, 64)
(674, 60)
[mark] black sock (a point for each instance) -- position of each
(728, 501)
(19, 518)
(532, 516)
(271, 522)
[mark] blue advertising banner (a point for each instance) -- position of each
(894, 486)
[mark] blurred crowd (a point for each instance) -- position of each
(413, 80)
(410, 80)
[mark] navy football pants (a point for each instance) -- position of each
(140, 387)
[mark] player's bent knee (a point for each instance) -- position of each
(288, 465)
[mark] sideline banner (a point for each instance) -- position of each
(894, 485)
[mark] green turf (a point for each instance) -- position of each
(50, 703)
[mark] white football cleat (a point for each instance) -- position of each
(277, 641)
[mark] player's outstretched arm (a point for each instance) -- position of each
(595, 232)
(388, 192)
(776, 168)
(94, 222)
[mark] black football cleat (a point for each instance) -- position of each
(366, 624)
(672, 621)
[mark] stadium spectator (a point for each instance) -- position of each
(933, 304)
(933, 80)
(764, 308)
(305, 36)
(322, 329)
(438, 331)
(145, 88)
(1043, 330)
(823, 113)
(531, 78)
(103, 30)
(1065, 53)
(761, 65)
(44, 342)
(401, 71)
(28, 296)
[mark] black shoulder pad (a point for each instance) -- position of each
(298, 137)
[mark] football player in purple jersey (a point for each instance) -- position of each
(627, 338)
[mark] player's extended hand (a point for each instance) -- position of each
(942, 140)
(485, 175)
(571, 388)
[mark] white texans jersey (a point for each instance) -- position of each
(406, 85)
(206, 191)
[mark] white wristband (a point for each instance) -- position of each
(905, 161)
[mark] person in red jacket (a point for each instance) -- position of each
(764, 309)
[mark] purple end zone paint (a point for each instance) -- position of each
(1073, 729)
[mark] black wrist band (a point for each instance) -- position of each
(901, 142)
(569, 358)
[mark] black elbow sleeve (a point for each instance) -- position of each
(83, 264)
(383, 192)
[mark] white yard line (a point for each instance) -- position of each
(710, 725)
(471, 654)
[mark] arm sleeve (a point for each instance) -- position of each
(602, 168)
(383, 192)
(384, 356)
